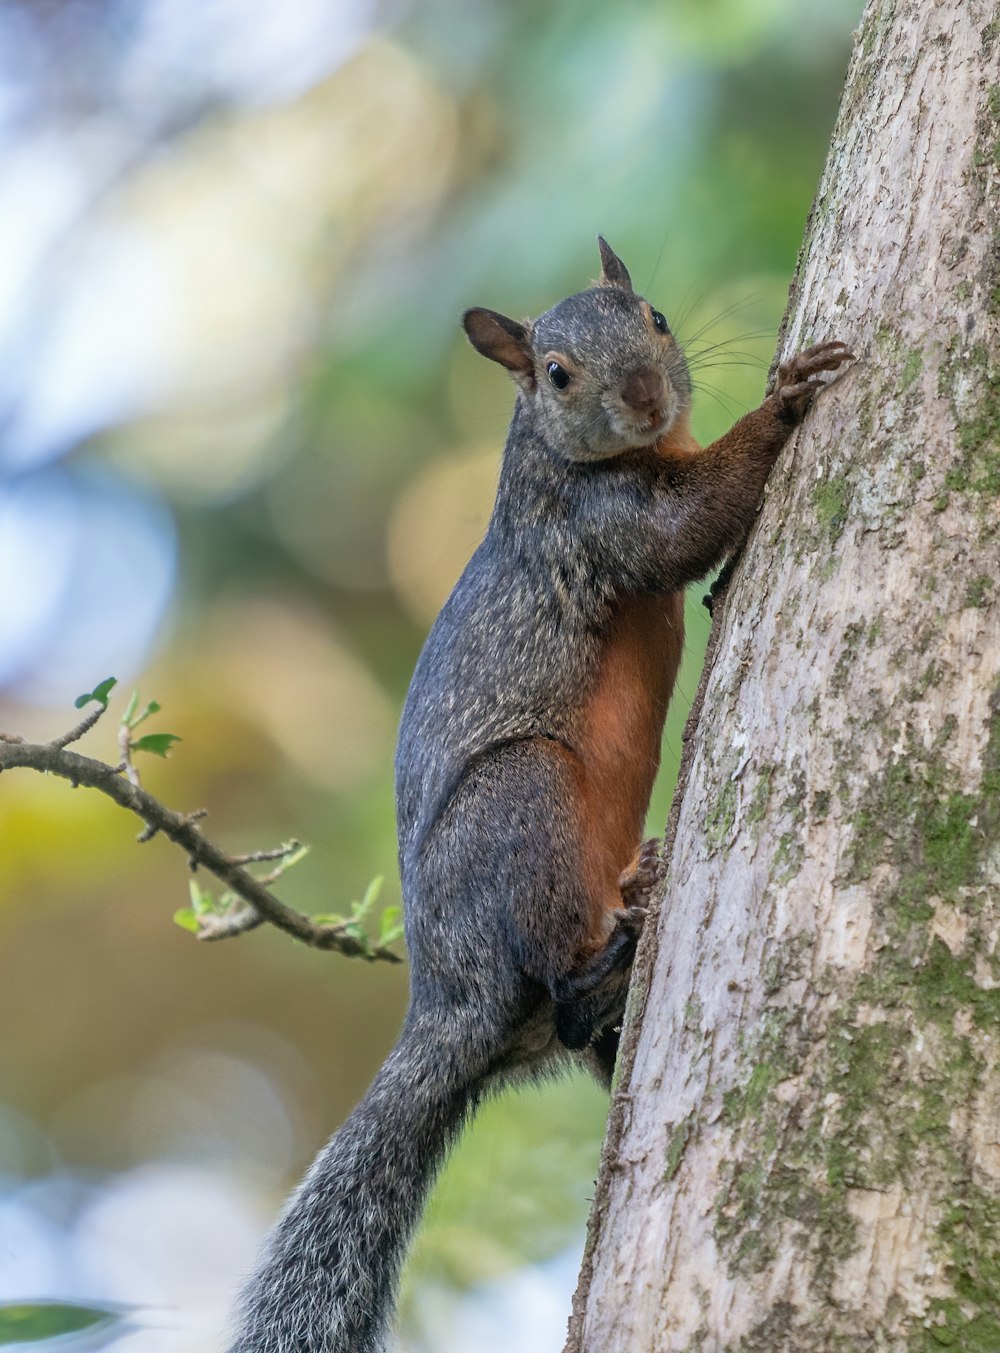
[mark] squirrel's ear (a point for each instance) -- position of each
(502, 340)
(613, 271)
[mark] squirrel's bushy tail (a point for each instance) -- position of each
(326, 1278)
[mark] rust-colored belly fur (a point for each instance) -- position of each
(618, 741)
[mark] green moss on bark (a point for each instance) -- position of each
(970, 378)
(869, 1102)
(722, 815)
(970, 1320)
(979, 591)
(831, 500)
(678, 1135)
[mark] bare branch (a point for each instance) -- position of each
(261, 904)
(125, 753)
(77, 732)
(223, 926)
(275, 853)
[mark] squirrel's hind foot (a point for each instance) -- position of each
(642, 875)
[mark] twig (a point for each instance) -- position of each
(125, 764)
(222, 926)
(77, 732)
(260, 903)
(275, 853)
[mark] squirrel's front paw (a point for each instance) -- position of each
(798, 378)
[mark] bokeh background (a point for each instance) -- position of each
(244, 452)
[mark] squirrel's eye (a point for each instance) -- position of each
(558, 375)
(660, 323)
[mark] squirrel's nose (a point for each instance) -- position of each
(643, 390)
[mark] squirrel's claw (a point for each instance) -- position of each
(641, 877)
(797, 383)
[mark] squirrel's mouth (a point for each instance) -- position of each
(651, 424)
(633, 427)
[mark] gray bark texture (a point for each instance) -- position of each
(804, 1149)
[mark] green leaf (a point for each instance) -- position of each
(297, 852)
(104, 689)
(358, 932)
(390, 928)
(202, 901)
(158, 743)
(187, 919)
(390, 920)
(131, 719)
(359, 910)
(152, 708)
(35, 1321)
(100, 693)
(372, 892)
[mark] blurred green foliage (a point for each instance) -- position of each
(327, 445)
(41, 1321)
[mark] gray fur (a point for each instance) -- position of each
(489, 844)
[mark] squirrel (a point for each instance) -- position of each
(528, 746)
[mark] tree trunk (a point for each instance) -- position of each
(804, 1152)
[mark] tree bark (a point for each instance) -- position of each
(804, 1151)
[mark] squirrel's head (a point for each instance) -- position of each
(601, 370)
